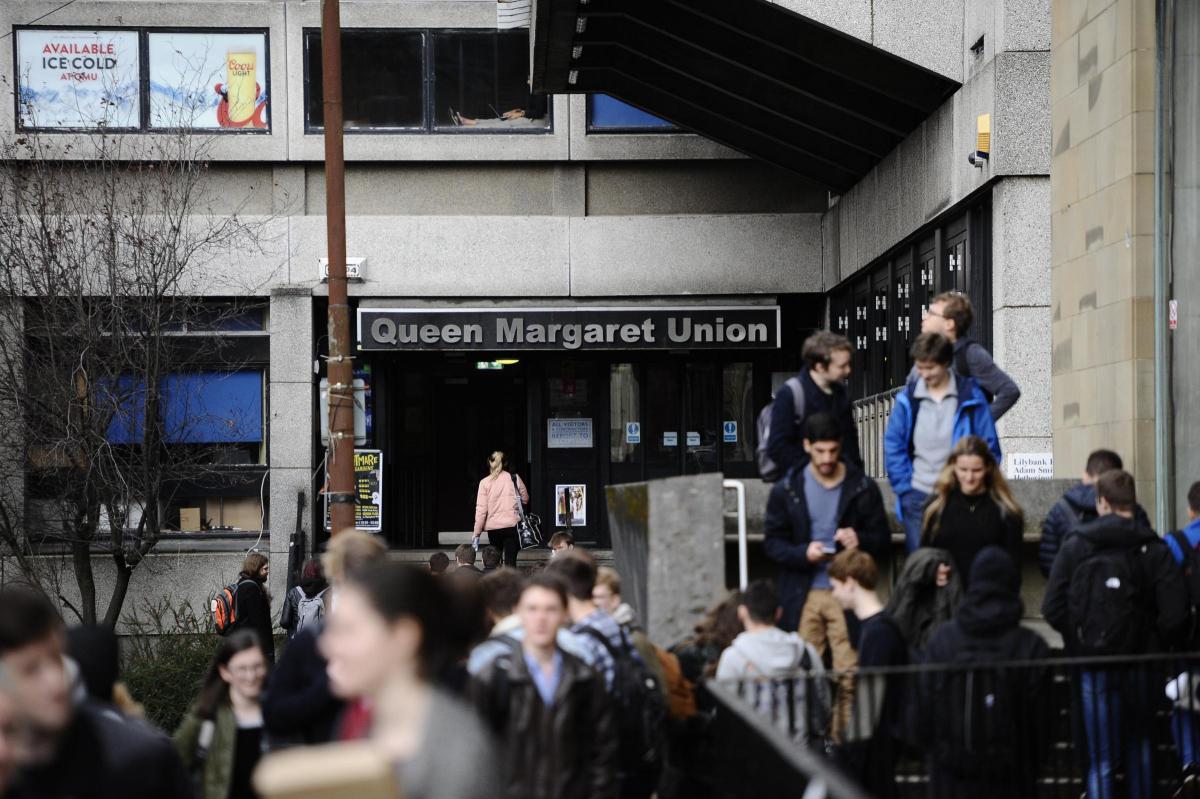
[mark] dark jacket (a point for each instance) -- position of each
(966, 525)
(1165, 607)
(917, 604)
(785, 442)
(986, 630)
(254, 613)
(103, 754)
(567, 751)
(973, 360)
(298, 706)
(1076, 507)
(789, 529)
(289, 616)
(972, 418)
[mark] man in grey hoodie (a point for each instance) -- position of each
(764, 655)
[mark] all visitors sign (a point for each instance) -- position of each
(579, 328)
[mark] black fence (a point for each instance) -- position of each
(1104, 727)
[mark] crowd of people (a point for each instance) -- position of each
(482, 680)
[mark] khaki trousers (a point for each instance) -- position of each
(823, 624)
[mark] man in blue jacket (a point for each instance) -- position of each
(929, 418)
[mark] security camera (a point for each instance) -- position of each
(977, 159)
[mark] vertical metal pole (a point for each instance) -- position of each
(340, 371)
(1164, 463)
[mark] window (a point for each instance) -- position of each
(625, 429)
(211, 80)
(422, 81)
(382, 80)
(197, 408)
(608, 114)
(738, 415)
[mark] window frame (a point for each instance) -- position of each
(143, 33)
(604, 130)
(429, 126)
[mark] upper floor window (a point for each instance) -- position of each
(610, 115)
(430, 81)
(142, 79)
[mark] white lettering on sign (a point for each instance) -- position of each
(1030, 466)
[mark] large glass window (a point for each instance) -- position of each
(625, 426)
(382, 79)
(422, 81)
(609, 114)
(737, 415)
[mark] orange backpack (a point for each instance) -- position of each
(224, 609)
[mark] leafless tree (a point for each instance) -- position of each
(105, 242)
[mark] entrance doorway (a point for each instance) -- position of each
(476, 412)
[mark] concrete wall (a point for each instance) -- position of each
(1102, 225)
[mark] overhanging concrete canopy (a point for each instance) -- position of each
(750, 74)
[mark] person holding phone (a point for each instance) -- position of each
(814, 512)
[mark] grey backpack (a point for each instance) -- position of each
(768, 470)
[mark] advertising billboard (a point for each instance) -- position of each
(208, 80)
(78, 79)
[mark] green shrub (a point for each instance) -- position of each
(165, 657)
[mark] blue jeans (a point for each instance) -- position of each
(912, 507)
(1102, 696)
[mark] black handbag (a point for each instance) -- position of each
(529, 525)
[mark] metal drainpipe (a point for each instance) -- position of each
(1164, 471)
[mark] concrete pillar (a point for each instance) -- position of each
(291, 423)
(1102, 234)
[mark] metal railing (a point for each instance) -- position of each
(871, 417)
(1048, 728)
(743, 551)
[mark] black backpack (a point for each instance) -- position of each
(1191, 578)
(639, 706)
(1105, 602)
(982, 715)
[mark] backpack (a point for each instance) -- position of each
(640, 709)
(681, 694)
(1191, 577)
(224, 608)
(1104, 602)
(768, 470)
(982, 714)
(310, 609)
(963, 367)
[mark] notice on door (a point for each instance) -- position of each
(633, 433)
(671, 439)
(569, 433)
(368, 491)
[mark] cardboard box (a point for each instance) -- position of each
(189, 520)
(244, 513)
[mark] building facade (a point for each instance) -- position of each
(583, 211)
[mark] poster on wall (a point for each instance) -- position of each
(209, 81)
(78, 79)
(368, 491)
(570, 505)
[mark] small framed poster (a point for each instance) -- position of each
(570, 505)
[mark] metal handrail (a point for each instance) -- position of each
(743, 555)
(871, 418)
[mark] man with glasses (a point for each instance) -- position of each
(950, 313)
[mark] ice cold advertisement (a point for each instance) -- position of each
(78, 79)
(210, 81)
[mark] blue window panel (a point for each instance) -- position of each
(609, 112)
(198, 408)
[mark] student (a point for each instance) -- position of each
(385, 638)
(763, 653)
(870, 750)
(607, 596)
(496, 508)
(971, 507)
(1185, 689)
(984, 726)
(491, 559)
(950, 314)
(464, 563)
(439, 563)
(551, 711)
(221, 737)
(1077, 506)
(826, 366)
(1095, 620)
(931, 415)
(309, 595)
(84, 750)
(561, 543)
(254, 601)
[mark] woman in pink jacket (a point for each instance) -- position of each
(496, 508)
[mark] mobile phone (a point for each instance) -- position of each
(829, 549)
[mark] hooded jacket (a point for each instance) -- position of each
(773, 654)
(1164, 595)
(917, 604)
(565, 751)
(971, 418)
(785, 441)
(289, 616)
(1076, 507)
(789, 530)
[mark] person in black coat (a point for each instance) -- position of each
(789, 530)
(983, 725)
(971, 507)
(254, 603)
(826, 366)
